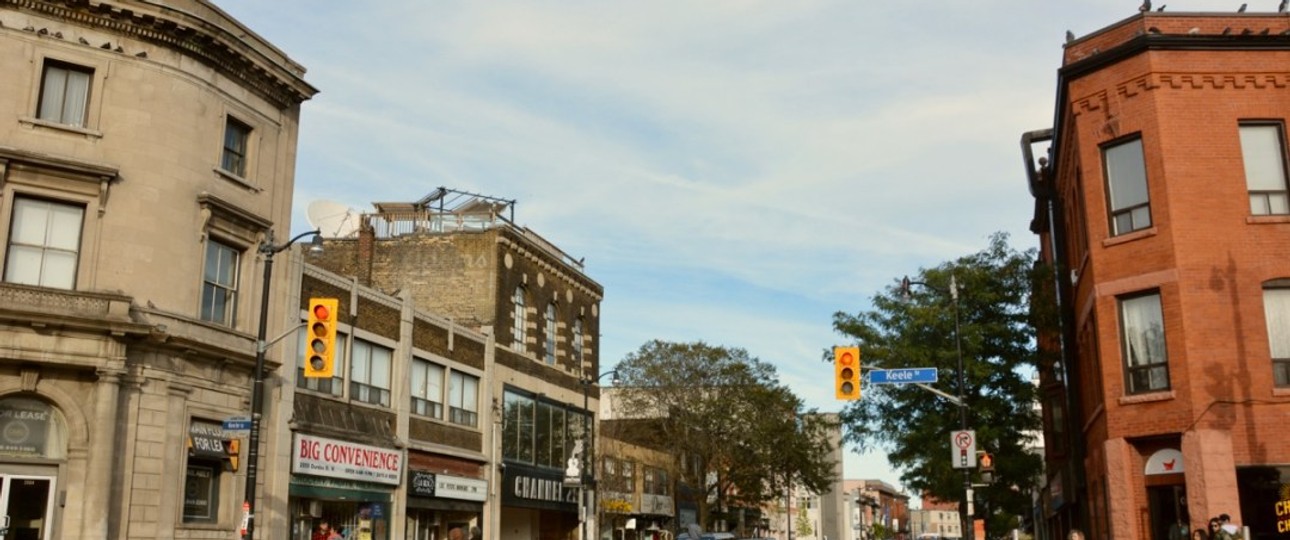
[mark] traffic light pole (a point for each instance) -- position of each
(257, 389)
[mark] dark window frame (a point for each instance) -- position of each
(237, 142)
(1124, 217)
(1134, 381)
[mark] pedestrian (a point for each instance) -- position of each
(1199, 534)
(323, 532)
(455, 534)
(476, 534)
(1213, 527)
(1178, 531)
(1075, 534)
(337, 534)
(1227, 529)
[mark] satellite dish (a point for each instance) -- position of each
(332, 219)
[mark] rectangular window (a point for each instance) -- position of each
(1142, 327)
(369, 373)
(463, 399)
(517, 331)
(1126, 178)
(1263, 150)
(550, 333)
(539, 432)
(44, 243)
(576, 347)
(201, 491)
(236, 135)
(336, 384)
(64, 93)
(1276, 309)
(219, 283)
(427, 388)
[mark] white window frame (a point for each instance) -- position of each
(48, 243)
(1264, 155)
(463, 399)
(220, 282)
(1276, 310)
(518, 313)
(335, 386)
(370, 371)
(1143, 352)
(1128, 193)
(427, 388)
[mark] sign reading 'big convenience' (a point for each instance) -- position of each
(321, 456)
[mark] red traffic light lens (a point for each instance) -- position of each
(846, 359)
(322, 313)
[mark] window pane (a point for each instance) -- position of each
(543, 435)
(51, 96)
(381, 358)
(59, 270)
(419, 378)
(23, 266)
(1127, 174)
(434, 384)
(78, 92)
(65, 227)
(510, 425)
(526, 431)
(1278, 203)
(1261, 148)
(1144, 330)
(470, 393)
(358, 371)
(1276, 307)
(30, 222)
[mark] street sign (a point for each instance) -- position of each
(963, 449)
(903, 376)
(237, 423)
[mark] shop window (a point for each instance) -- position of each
(334, 386)
(44, 243)
(540, 432)
(220, 283)
(32, 429)
(1126, 179)
(1263, 151)
(64, 93)
(208, 459)
(1276, 309)
(427, 388)
(1142, 330)
(463, 399)
(549, 353)
(369, 373)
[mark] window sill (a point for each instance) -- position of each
(55, 126)
(235, 179)
(1283, 391)
(1147, 398)
(1265, 219)
(1129, 237)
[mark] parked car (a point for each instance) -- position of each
(708, 536)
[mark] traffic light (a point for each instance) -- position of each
(846, 371)
(320, 346)
(986, 462)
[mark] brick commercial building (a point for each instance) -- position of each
(146, 150)
(1162, 204)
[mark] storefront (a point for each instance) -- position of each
(32, 442)
(349, 486)
(438, 503)
(537, 506)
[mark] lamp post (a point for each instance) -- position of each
(953, 291)
(587, 438)
(268, 249)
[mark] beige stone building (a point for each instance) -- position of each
(146, 150)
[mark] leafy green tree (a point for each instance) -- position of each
(740, 438)
(803, 523)
(998, 346)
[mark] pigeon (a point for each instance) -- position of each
(1161, 8)
(1145, 7)
(1070, 36)
(83, 41)
(1242, 8)
(1281, 8)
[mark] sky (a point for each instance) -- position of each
(733, 171)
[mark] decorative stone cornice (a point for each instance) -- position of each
(275, 79)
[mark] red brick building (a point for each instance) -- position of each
(1162, 206)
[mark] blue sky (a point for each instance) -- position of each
(732, 171)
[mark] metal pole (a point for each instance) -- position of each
(968, 530)
(586, 444)
(257, 394)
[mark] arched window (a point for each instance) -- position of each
(518, 331)
(31, 428)
(550, 333)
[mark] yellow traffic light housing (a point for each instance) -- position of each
(846, 373)
(320, 338)
(986, 462)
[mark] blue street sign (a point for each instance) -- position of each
(902, 376)
(237, 423)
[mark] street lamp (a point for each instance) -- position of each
(268, 249)
(953, 291)
(587, 437)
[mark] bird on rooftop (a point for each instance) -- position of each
(1161, 8)
(1070, 36)
(1227, 30)
(1145, 7)
(1242, 8)
(83, 41)
(1281, 8)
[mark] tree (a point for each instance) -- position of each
(739, 437)
(803, 523)
(998, 343)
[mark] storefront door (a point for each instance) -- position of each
(27, 505)
(1168, 506)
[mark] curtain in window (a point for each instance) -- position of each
(1276, 307)
(78, 93)
(44, 242)
(1144, 336)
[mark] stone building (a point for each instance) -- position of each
(1162, 205)
(146, 150)
(460, 256)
